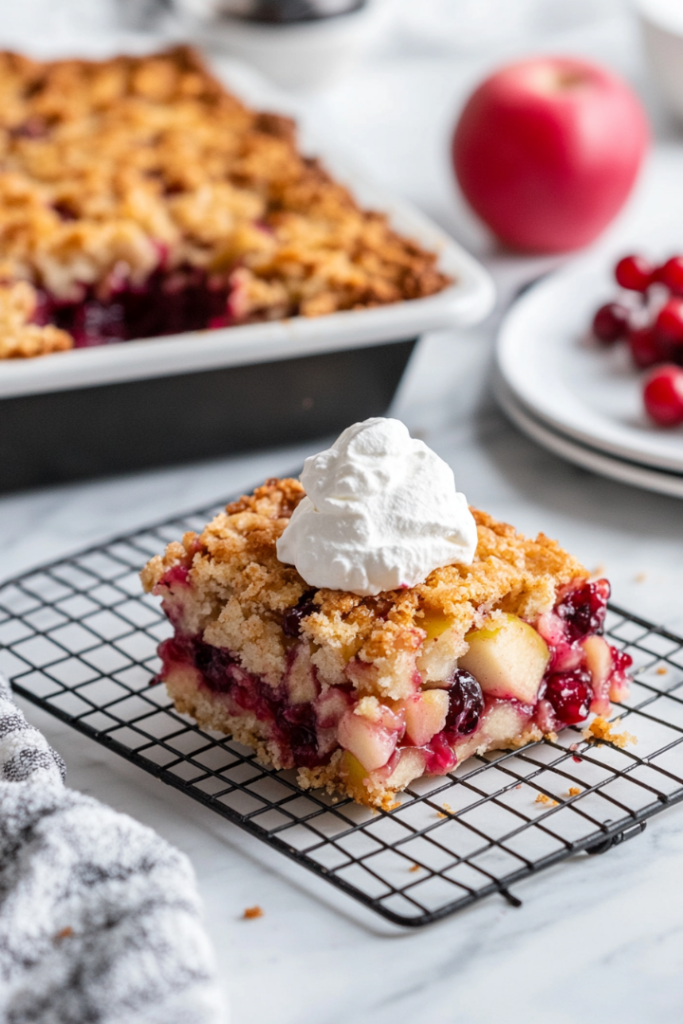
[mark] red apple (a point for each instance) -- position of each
(546, 151)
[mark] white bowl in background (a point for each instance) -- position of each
(298, 55)
(661, 23)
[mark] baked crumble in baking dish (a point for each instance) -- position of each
(138, 197)
(364, 694)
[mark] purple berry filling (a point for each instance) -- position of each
(466, 704)
(168, 303)
(293, 725)
(291, 620)
(583, 608)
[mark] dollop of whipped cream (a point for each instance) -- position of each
(381, 512)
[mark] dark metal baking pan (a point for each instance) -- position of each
(56, 436)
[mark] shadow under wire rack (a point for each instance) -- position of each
(78, 638)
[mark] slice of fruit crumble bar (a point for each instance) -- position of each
(363, 694)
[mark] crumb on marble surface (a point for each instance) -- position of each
(543, 799)
(574, 791)
(251, 913)
(64, 933)
(662, 670)
(415, 867)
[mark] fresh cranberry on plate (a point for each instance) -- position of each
(645, 348)
(648, 314)
(671, 275)
(635, 273)
(663, 395)
(610, 323)
(669, 325)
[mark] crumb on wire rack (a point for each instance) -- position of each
(600, 730)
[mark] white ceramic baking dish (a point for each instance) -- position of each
(205, 393)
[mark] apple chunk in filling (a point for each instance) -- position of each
(425, 715)
(508, 658)
(370, 732)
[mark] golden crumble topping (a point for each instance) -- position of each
(112, 170)
(19, 338)
(240, 590)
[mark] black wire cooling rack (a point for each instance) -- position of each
(78, 638)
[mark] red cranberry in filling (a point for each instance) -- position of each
(570, 695)
(176, 574)
(466, 703)
(440, 757)
(621, 661)
(583, 608)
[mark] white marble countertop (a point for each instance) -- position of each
(601, 933)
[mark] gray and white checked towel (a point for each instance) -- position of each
(100, 920)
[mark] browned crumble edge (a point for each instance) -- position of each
(239, 590)
(110, 170)
(19, 338)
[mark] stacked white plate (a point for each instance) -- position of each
(575, 397)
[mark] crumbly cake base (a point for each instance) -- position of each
(210, 712)
(335, 782)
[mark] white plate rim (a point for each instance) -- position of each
(621, 470)
(558, 406)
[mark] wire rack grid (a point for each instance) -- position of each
(78, 638)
